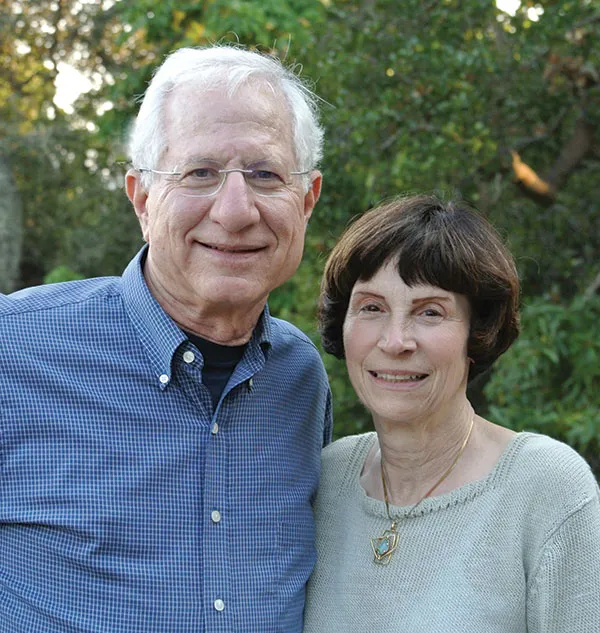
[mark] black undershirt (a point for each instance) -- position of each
(219, 363)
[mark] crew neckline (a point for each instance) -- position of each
(455, 497)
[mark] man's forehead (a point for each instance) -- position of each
(219, 103)
(255, 113)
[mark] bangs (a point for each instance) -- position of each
(438, 255)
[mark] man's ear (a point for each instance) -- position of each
(312, 195)
(138, 197)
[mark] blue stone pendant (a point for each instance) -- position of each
(384, 546)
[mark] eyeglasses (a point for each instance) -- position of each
(206, 179)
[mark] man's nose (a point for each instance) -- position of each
(234, 205)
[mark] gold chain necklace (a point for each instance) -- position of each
(385, 545)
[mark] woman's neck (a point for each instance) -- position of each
(416, 456)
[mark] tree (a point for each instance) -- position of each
(69, 167)
(550, 380)
(454, 97)
(10, 229)
(52, 157)
(451, 96)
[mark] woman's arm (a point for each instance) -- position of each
(564, 590)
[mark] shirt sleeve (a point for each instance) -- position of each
(564, 593)
(328, 421)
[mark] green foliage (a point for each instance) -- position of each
(429, 97)
(74, 209)
(433, 98)
(137, 36)
(62, 273)
(549, 381)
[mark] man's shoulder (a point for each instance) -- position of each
(293, 354)
(286, 331)
(57, 296)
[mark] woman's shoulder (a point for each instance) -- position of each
(342, 461)
(550, 467)
(347, 447)
(547, 455)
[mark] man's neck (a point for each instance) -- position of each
(222, 330)
(223, 323)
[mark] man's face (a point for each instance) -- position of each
(229, 250)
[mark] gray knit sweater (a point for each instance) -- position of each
(516, 552)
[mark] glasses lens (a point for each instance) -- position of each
(202, 180)
(207, 179)
(267, 183)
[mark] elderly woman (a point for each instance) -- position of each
(441, 521)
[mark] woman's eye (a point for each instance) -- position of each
(369, 307)
(431, 313)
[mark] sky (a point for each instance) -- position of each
(70, 83)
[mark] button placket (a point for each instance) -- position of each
(216, 499)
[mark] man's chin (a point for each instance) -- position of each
(235, 293)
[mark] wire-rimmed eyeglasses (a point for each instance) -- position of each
(205, 179)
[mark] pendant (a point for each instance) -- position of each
(384, 546)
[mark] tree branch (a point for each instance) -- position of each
(593, 288)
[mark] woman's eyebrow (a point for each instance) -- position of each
(443, 298)
(426, 297)
(366, 291)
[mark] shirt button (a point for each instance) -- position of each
(188, 357)
(219, 604)
(164, 379)
(215, 429)
(215, 515)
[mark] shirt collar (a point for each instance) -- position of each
(159, 334)
(263, 331)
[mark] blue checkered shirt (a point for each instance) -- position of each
(127, 504)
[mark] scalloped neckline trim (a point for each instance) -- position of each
(461, 495)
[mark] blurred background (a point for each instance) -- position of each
(497, 102)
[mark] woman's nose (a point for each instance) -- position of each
(397, 337)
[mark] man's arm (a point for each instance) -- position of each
(328, 422)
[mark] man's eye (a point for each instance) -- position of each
(202, 173)
(265, 175)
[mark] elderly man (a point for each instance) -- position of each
(160, 432)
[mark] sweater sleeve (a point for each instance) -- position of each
(564, 591)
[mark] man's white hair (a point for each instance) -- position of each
(228, 67)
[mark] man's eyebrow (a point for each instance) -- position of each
(255, 162)
(198, 159)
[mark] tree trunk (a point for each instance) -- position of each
(11, 232)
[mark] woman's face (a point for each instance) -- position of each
(406, 348)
